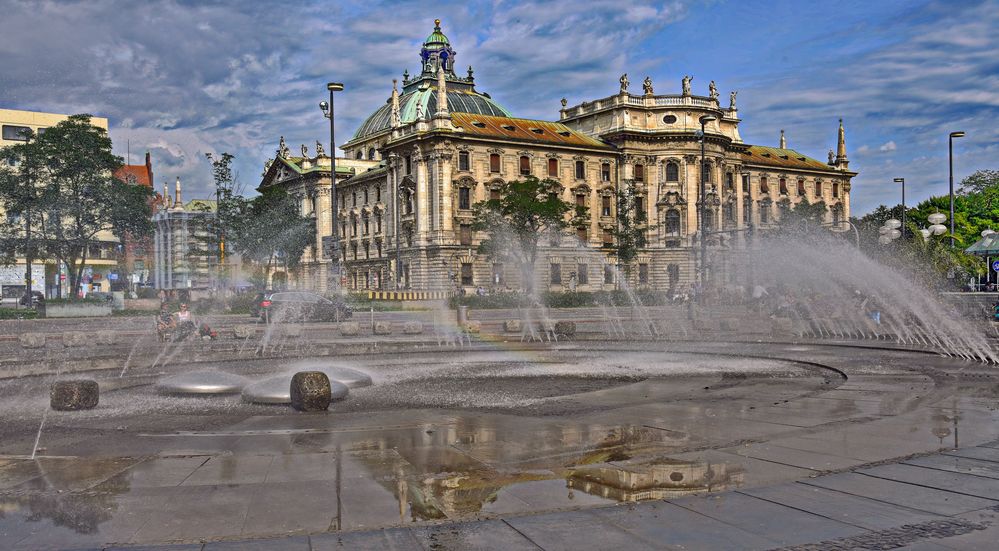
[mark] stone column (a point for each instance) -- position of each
(422, 200)
(447, 199)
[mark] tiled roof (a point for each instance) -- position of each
(783, 158)
(525, 130)
(138, 174)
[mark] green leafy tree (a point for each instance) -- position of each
(803, 218)
(629, 233)
(525, 211)
(22, 167)
(271, 230)
(81, 199)
(985, 184)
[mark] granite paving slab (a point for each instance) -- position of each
(952, 482)
(931, 500)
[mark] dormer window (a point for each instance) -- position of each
(537, 131)
(509, 127)
(565, 133)
(478, 124)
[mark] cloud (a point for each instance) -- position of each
(888, 146)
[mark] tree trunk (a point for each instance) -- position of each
(27, 259)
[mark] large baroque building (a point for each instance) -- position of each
(417, 165)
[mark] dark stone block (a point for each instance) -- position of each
(565, 328)
(74, 395)
(311, 391)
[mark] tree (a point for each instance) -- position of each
(271, 229)
(629, 234)
(984, 183)
(21, 168)
(525, 211)
(803, 218)
(229, 206)
(81, 199)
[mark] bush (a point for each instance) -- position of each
(242, 303)
(85, 300)
(147, 292)
(17, 314)
(577, 299)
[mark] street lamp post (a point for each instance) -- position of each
(703, 196)
(950, 160)
(902, 181)
(334, 248)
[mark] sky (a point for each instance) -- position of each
(183, 78)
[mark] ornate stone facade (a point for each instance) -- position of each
(434, 151)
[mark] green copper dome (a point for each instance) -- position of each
(436, 37)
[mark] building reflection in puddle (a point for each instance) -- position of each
(656, 479)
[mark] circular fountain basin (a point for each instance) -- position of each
(353, 378)
(205, 383)
(277, 390)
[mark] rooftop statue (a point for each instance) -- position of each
(305, 151)
(283, 150)
(647, 85)
(731, 100)
(686, 84)
(419, 110)
(624, 82)
(320, 152)
(564, 102)
(713, 91)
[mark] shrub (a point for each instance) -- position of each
(17, 314)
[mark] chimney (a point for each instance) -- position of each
(149, 170)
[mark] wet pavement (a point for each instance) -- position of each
(750, 445)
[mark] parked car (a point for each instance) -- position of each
(36, 298)
(302, 306)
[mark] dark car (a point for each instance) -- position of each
(288, 306)
(36, 298)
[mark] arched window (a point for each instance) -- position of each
(709, 220)
(672, 172)
(672, 223)
(801, 187)
(464, 198)
(371, 154)
(359, 155)
(706, 173)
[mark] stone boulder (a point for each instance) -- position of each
(512, 326)
(383, 328)
(412, 328)
(349, 328)
(244, 331)
(32, 340)
(311, 391)
(75, 338)
(565, 329)
(74, 395)
(473, 326)
(106, 338)
(704, 324)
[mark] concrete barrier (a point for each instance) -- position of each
(292, 331)
(383, 328)
(32, 340)
(349, 328)
(75, 338)
(74, 310)
(311, 391)
(412, 328)
(512, 326)
(74, 395)
(244, 331)
(142, 304)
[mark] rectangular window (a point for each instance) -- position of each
(608, 274)
(525, 165)
(639, 173)
(730, 181)
(494, 162)
(818, 190)
(466, 273)
(556, 274)
(553, 168)
(378, 245)
(639, 205)
(367, 250)
(365, 196)
(764, 187)
(464, 198)
(466, 234)
(497, 274)
(801, 187)
(581, 234)
(580, 200)
(608, 238)
(16, 133)
(643, 273)
(605, 205)
(463, 163)
(782, 184)
(835, 189)
(409, 165)
(378, 223)
(764, 214)
(494, 195)
(354, 198)
(605, 172)
(378, 194)
(580, 170)
(745, 183)
(583, 274)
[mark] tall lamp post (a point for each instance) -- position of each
(703, 196)
(902, 181)
(334, 247)
(950, 159)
